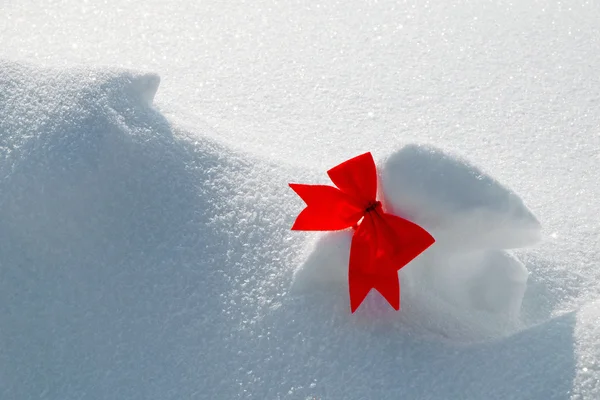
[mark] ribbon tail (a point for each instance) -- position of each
(388, 285)
(368, 271)
(385, 282)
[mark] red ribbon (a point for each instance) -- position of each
(381, 244)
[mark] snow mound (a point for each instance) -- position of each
(76, 176)
(462, 207)
(473, 219)
(141, 261)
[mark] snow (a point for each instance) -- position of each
(122, 273)
(145, 250)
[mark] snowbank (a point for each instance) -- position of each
(140, 261)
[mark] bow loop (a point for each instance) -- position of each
(327, 209)
(357, 177)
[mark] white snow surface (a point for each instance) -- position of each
(145, 250)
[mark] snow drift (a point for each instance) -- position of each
(142, 261)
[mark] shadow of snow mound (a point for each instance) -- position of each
(357, 358)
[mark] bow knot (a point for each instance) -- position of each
(373, 206)
(381, 243)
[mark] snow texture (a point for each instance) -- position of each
(145, 250)
(141, 262)
(462, 206)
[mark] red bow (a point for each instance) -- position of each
(381, 244)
